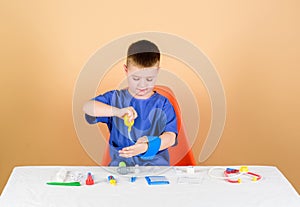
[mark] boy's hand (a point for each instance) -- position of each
(143, 139)
(139, 147)
(129, 111)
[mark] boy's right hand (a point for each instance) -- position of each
(129, 111)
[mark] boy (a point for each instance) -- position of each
(153, 119)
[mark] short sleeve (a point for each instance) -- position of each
(104, 98)
(171, 122)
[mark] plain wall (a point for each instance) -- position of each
(254, 46)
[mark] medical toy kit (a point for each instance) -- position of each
(186, 175)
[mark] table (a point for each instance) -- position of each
(188, 187)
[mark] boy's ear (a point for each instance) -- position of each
(125, 68)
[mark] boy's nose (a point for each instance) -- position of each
(142, 83)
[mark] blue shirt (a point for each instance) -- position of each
(156, 115)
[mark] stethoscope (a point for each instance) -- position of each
(233, 175)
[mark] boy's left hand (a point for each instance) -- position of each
(139, 147)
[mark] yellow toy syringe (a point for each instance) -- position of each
(129, 125)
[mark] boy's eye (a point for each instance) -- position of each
(149, 79)
(135, 78)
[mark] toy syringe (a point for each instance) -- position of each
(129, 125)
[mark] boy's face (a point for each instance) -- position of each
(141, 81)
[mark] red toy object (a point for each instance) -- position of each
(89, 180)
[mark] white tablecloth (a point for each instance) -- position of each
(27, 187)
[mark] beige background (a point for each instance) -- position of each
(254, 46)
